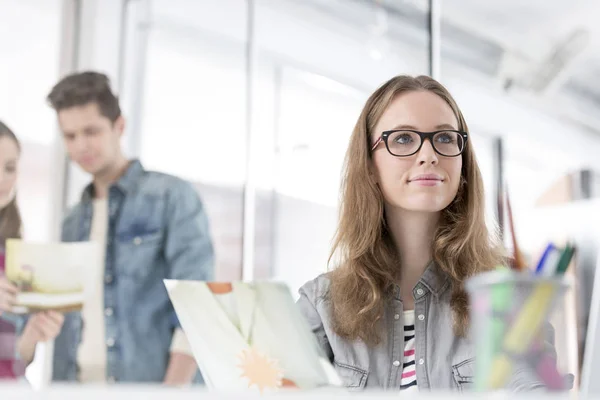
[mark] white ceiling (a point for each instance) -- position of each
(522, 46)
(534, 36)
(535, 29)
(512, 22)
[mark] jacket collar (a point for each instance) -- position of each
(433, 279)
(127, 182)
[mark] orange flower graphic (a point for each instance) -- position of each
(260, 370)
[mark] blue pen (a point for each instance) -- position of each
(552, 263)
(540, 265)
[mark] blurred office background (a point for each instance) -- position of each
(254, 100)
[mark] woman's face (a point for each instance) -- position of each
(9, 158)
(425, 181)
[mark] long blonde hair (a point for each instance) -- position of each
(367, 263)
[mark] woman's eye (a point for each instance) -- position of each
(445, 138)
(404, 139)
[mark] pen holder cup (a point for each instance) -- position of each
(519, 324)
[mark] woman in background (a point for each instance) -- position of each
(394, 313)
(15, 352)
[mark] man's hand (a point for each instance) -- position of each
(41, 327)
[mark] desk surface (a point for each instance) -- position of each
(149, 392)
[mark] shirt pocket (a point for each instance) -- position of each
(138, 252)
(353, 378)
(464, 373)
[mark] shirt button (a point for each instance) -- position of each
(420, 291)
(397, 316)
(108, 279)
(137, 241)
(421, 317)
(108, 312)
(396, 363)
(110, 342)
(421, 361)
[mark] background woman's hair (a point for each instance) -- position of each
(367, 261)
(10, 217)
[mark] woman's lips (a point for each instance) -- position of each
(427, 180)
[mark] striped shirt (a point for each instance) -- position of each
(409, 372)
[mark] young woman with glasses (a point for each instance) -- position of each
(394, 313)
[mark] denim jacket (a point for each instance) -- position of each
(443, 360)
(157, 229)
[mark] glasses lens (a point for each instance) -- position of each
(448, 143)
(403, 143)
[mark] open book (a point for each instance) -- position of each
(249, 336)
(50, 276)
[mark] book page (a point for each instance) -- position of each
(250, 336)
(50, 275)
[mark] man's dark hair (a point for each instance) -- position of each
(84, 88)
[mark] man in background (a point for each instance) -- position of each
(150, 225)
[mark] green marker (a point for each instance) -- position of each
(565, 259)
(492, 330)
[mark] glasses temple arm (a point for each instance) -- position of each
(376, 143)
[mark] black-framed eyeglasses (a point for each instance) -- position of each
(405, 142)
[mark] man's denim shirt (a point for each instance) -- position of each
(157, 229)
